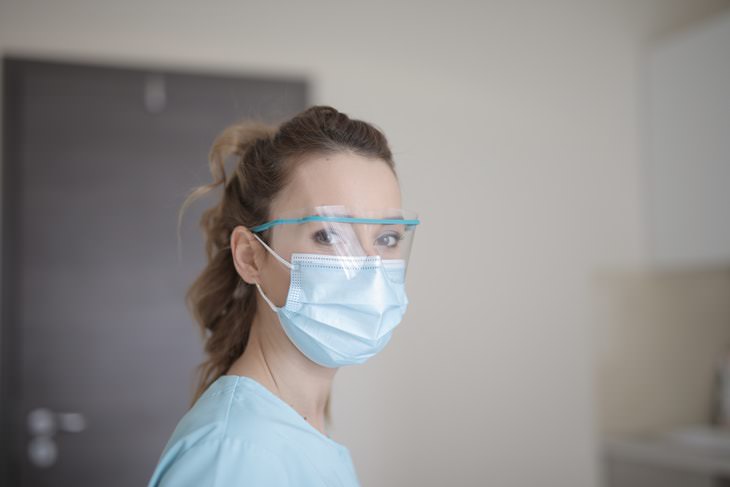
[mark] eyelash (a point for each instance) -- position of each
(398, 236)
(316, 236)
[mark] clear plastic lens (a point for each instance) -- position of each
(358, 237)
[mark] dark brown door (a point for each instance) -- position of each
(98, 349)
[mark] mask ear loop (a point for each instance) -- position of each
(280, 259)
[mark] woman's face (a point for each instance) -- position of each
(334, 179)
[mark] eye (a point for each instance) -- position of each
(326, 237)
(389, 239)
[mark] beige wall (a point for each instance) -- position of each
(659, 340)
(515, 128)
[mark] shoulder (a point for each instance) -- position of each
(230, 433)
(233, 408)
(221, 461)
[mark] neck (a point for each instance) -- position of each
(273, 361)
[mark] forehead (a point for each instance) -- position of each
(341, 178)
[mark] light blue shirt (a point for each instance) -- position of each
(238, 433)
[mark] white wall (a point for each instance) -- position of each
(515, 129)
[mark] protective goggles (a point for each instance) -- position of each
(353, 238)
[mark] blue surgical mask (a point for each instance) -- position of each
(337, 319)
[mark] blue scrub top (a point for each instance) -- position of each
(238, 433)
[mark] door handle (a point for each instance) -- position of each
(43, 424)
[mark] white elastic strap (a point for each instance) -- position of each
(271, 305)
(278, 257)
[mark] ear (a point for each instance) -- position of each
(247, 254)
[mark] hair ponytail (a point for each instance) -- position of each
(218, 299)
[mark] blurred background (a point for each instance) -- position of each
(569, 321)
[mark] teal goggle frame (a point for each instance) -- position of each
(409, 223)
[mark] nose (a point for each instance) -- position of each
(366, 240)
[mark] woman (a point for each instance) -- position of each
(307, 254)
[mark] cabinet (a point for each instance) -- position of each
(663, 462)
(687, 148)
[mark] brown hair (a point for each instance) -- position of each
(221, 302)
